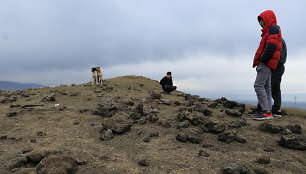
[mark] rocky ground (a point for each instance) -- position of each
(129, 126)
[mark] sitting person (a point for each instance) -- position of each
(167, 83)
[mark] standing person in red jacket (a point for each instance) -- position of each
(266, 60)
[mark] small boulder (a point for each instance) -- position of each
(106, 135)
(12, 114)
(233, 112)
(295, 128)
(119, 124)
(227, 137)
(49, 98)
(293, 142)
(234, 168)
(143, 162)
(270, 127)
(57, 164)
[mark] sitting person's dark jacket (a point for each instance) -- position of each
(167, 83)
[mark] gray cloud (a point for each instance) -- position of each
(60, 35)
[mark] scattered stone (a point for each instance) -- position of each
(165, 101)
(269, 150)
(143, 162)
(154, 134)
(154, 95)
(270, 127)
(12, 114)
(83, 110)
(143, 121)
(139, 108)
(106, 135)
(263, 160)
(119, 124)
(206, 145)
(183, 124)
(3, 137)
(41, 133)
(261, 170)
(106, 107)
(203, 153)
(35, 157)
(14, 105)
(129, 102)
(206, 112)
(74, 94)
(33, 140)
(152, 118)
(238, 123)
(240, 140)
(147, 139)
(212, 105)
(196, 118)
(154, 111)
(164, 124)
(177, 103)
(18, 162)
(76, 122)
(215, 127)
(234, 168)
(49, 98)
(135, 116)
(141, 85)
(227, 137)
(62, 108)
(233, 112)
(293, 142)
(295, 128)
(57, 164)
(81, 161)
(192, 135)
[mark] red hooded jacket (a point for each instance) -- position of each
(269, 50)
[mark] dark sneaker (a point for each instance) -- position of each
(277, 113)
(263, 116)
(254, 112)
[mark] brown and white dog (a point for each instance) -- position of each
(96, 75)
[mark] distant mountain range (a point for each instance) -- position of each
(5, 85)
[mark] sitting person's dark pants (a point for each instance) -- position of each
(168, 88)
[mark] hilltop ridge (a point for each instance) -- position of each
(128, 125)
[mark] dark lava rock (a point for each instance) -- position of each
(152, 118)
(35, 157)
(177, 103)
(263, 160)
(196, 118)
(12, 114)
(135, 116)
(143, 121)
(119, 124)
(269, 149)
(230, 104)
(49, 98)
(206, 145)
(258, 170)
(213, 105)
(240, 140)
(215, 127)
(62, 108)
(234, 168)
(147, 139)
(295, 128)
(238, 123)
(181, 125)
(154, 95)
(139, 109)
(233, 112)
(3, 137)
(203, 153)
(206, 112)
(227, 137)
(154, 134)
(83, 110)
(76, 122)
(106, 135)
(129, 103)
(14, 105)
(270, 127)
(57, 164)
(106, 107)
(293, 142)
(192, 135)
(41, 133)
(165, 124)
(74, 94)
(143, 162)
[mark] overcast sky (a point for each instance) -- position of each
(208, 45)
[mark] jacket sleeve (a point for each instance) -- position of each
(162, 81)
(271, 44)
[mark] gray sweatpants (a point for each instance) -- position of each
(262, 86)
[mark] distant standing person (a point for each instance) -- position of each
(266, 60)
(167, 83)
